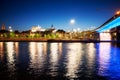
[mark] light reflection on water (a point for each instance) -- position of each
(10, 48)
(59, 60)
(90, 56)
(37, 58)
(109, 61)
(73, 59)
(10, 51)
(1, 50)
(104, 58)
(54, 59)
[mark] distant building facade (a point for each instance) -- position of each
(37, 29)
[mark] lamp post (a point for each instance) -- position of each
(118, 13)
(72, 22)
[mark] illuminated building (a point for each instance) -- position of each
(37, 29)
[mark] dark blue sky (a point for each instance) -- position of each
(23, 14)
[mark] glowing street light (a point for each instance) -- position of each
(118, 12)
(10, 29)
(72, 21)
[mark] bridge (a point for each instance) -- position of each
(111, 23)
(110, 30)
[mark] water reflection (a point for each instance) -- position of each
(109, 61)
(10, 58)
(45, 48)
(73, 57)
(10, 51)
(37, 56)
(60, 48)
(53, 58)
(1, 50)
(104, 58)
(59, 60)
(80, 61)
(16, 48)
(90, 55)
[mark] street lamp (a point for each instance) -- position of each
(118, 12)
(10, 29)
(72, 21)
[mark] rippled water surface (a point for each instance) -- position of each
(45, 61)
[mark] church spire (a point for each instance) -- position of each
(3, 27)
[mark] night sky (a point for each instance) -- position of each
(23, 14)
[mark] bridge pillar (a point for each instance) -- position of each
(115, 32)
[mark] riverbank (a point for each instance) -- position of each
(49, 40)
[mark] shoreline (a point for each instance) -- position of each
(50, 40)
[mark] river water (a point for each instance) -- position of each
(64, 61)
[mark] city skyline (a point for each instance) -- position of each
(23, 14)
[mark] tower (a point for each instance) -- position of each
(52, 26)
(3, 27)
